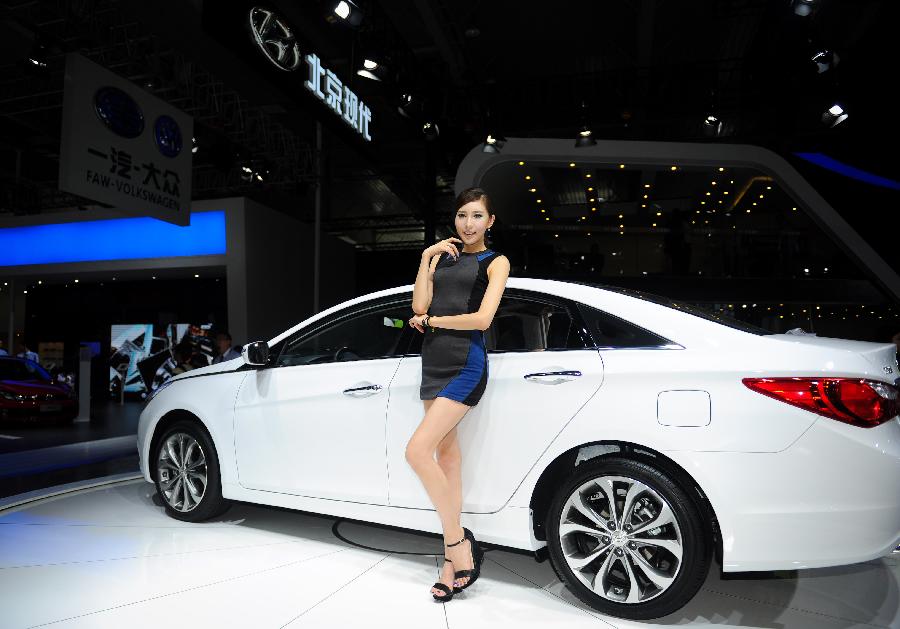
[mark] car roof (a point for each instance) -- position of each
(646, 309)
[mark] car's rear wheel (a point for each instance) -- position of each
(626, 539)
(187, 473)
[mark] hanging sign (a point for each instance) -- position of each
(122, 145)
(275, 39)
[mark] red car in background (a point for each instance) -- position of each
(28, 392)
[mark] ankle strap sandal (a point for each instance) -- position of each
(448, 594)
(477, 555)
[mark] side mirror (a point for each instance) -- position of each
(256, 353)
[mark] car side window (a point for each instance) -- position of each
(365, 334)
(525, 325)
(609, 331)
(522, 324)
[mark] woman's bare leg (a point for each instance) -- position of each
(449, 458)
(442, 478)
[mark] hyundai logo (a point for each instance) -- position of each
(275, 39)
(168, 136)
(119, 112)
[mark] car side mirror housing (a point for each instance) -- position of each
(256, 353)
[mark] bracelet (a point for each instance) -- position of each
(427, 322)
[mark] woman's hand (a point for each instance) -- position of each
(416, 322)
(444, 245)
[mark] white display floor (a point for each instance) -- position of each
(108, 556)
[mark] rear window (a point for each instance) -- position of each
(609, 331)
(690, 309)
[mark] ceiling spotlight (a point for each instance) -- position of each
(431, 131)
(834, 116)
(345, 12)
(37, 58)
(410, 105)
(373, 69)
(493, 143)
(803, 8)
(585, 136)
(825, 60)
(712, 125)
(342, 10)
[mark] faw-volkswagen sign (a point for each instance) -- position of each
(276, 40)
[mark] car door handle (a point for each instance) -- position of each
(552, 377)
(365, 391)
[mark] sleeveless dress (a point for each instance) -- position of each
(454, 362)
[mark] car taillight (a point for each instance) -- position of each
(855, 401)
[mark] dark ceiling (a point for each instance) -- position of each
(637, 69)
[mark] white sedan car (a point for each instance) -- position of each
(628, 438)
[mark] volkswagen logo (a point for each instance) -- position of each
(168, 136)
(275, 39)
(119, 112)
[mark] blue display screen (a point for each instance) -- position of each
(112, 239)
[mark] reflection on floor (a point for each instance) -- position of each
(108, 419)
(62, 466)
(35, 455)
(108, 556)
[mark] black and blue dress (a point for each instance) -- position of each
(454, 362)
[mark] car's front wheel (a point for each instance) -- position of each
(187, 473)
(626, 539)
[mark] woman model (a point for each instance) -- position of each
(456, 295)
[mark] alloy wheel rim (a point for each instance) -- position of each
(621, 539)
(181, 470)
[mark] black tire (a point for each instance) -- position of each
(695, 543)
(212, 503)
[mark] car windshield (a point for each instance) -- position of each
(690, 309)
(12, 369)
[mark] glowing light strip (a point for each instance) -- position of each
(841, 168)
(112, 239)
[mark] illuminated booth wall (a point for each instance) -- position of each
(112, 239)
(267, 257)
(508, 166)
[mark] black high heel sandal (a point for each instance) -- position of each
(477, 555)
(444, 588)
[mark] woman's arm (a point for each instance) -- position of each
(424, 289)
(498, 272)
